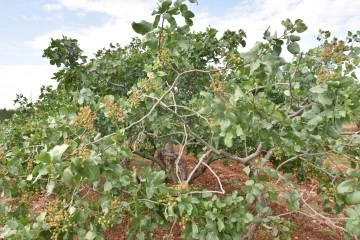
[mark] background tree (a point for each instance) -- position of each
(6, 114)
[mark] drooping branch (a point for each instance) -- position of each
(329, 221)
(224, 153)
(303, 154)
(198, 165)
(244, 160)
(201, 169)
(151, 158)
(159, 100)
(108, 81)
(216, 151)
(301, 110)
(256, 89)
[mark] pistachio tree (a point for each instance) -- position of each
(201, 94)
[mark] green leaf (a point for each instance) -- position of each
(254, 66)
(156, 21)
(346, 81)
(324, 100)
(293, 200)
(44, 170)
(294, 38)
(165, 6)
(41, 217)
(206, 195)
(277, 49)
(44, 157)
(189, 22)
(195, 229)
(351, 172)
(209, 215)
(50, 187)
(206, 95)
(13, 224)
(57, 152)
(142, 28)
(249, 182)
(90, 235)
(346, 186)
(353, 198)
(293, 48)
(247, 170)
(228, 141)
(274, 174)
(91, 171)
(218, 106)
(184, 29)
(150, 40)
(140, 236)
(333, 133)
(63, 111)
(220, 224)
(170, 19)
(67, 176)
(287, 23)
(16, 150)
(250, 198)
(149, 205)
(239, 131)
(188, 14)
(248, 217)
(150, 191)
(126, 152)
(212, 236)
(225, 124)
(352, 213)
(181, 208)
(29, 177)
(277, 116)
(108, 186)
(238, 93)
(317, 89)
(183, 7)
(300, 26)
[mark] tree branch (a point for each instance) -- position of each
(198, 165)
(151, 158)
(201, 169)
(301, 110)
(202, 141)
(350, 133)
(159, 100)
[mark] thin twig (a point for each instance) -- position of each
(217, 177)
(198, 164)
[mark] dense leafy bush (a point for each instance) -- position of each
(200, 93)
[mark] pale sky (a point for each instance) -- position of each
(27, 25)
